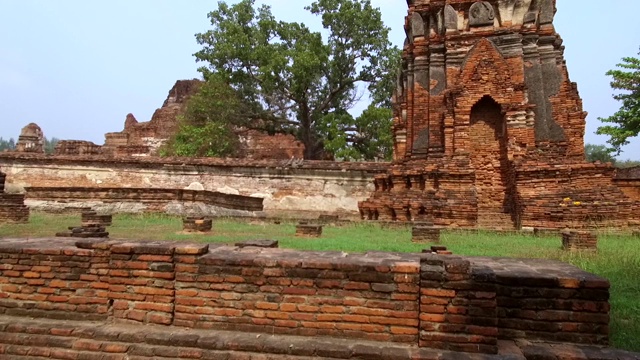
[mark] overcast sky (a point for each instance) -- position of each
(77, 67)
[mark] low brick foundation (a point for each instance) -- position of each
(308, 230)
(93, 226)
(197, 224)
(328, 219)
(573, 240)
(425, 234)
(443, 302)
(12, 208)
(92, 218)
(58, 339)
(153, 199)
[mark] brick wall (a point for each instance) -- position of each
(289, 188)
(443, 302)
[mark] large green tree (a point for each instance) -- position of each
(290, 79)
(206, 124)
(625, 123)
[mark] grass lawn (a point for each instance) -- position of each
(618, 258)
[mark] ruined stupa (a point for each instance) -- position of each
(488, 128)
(31, 139)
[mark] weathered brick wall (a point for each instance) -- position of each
(444, 302)
(628, 180)
(457, 306)
(279, 291)
(257, 145)
(572, 195)
(77, 147)
(54, 279)
(550, 302)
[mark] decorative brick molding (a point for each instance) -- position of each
(444, 302)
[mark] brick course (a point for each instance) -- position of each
(444, 302)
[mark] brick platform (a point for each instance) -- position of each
(59, 339)
(418, 300)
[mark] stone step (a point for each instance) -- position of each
(95, 339)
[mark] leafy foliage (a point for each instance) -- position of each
(625, 123)
(600, 153)
(290, 79)
(205, 126)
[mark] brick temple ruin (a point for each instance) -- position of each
(142, 139)
(488, 128)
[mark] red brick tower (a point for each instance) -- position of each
(488, 128)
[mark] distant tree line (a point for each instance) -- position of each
(10, 144)
(7, 144)
(603, 154)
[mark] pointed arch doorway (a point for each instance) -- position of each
(493, 185)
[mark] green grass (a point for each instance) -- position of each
(618, 258)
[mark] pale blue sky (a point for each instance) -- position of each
(77, 67)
